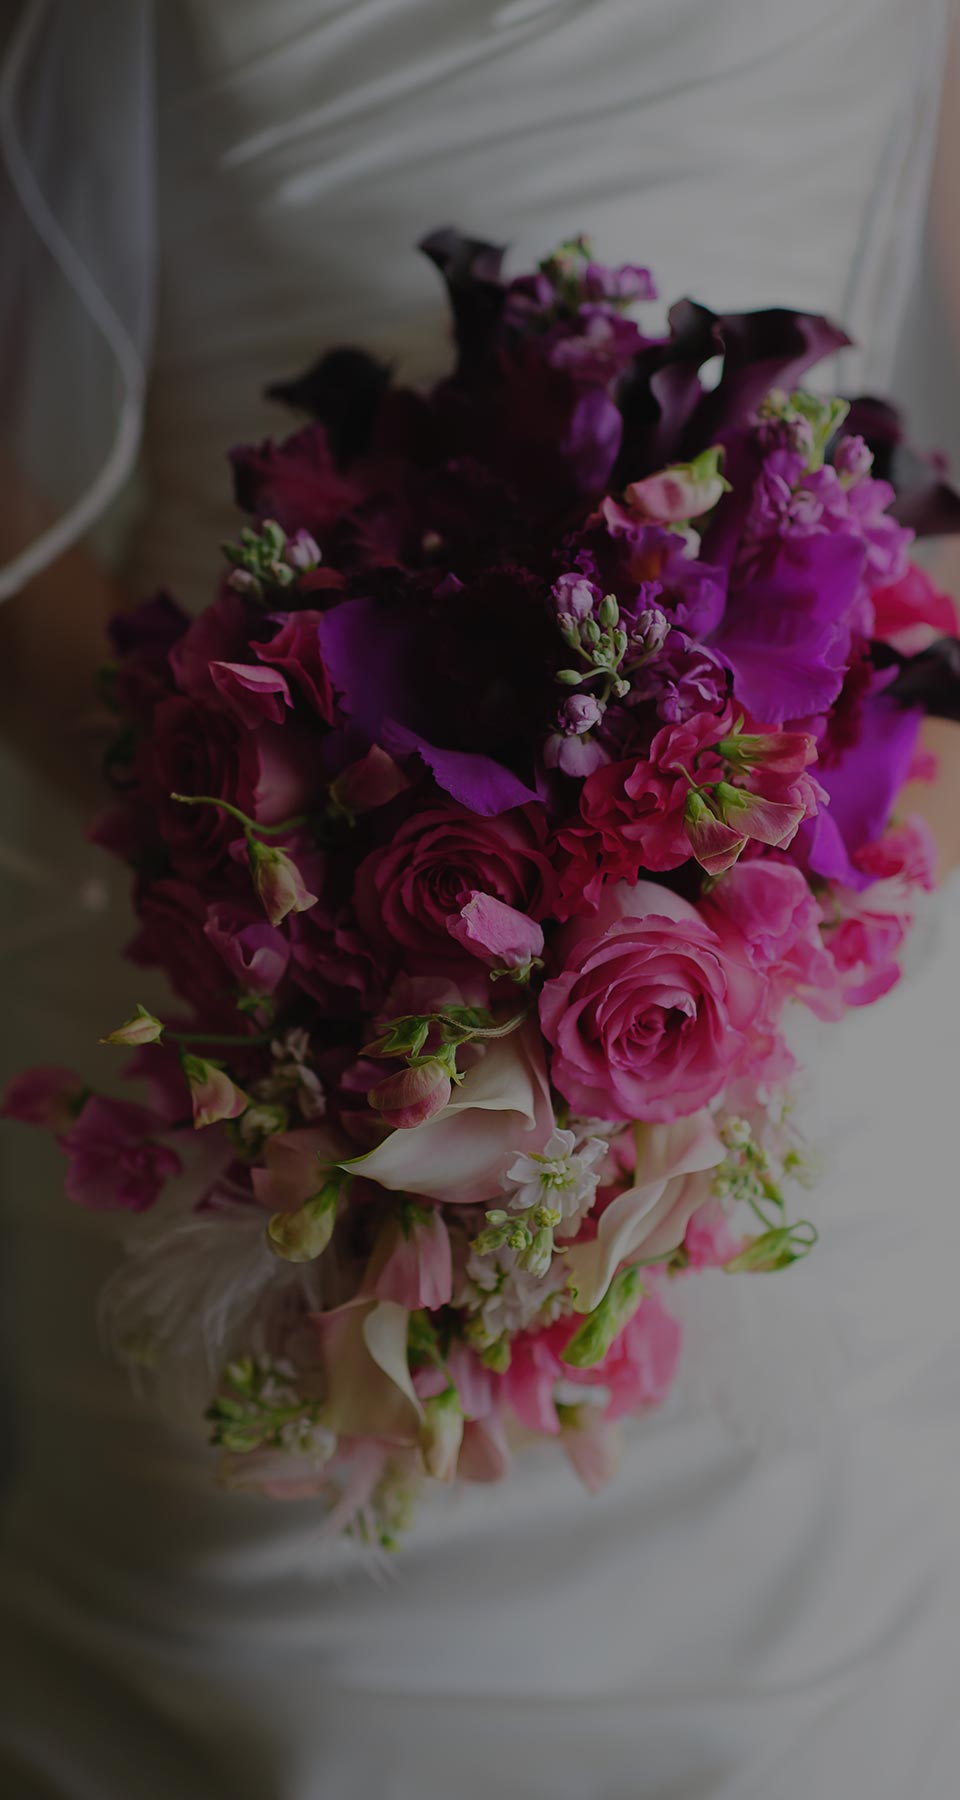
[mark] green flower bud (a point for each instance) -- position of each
(590, 1343)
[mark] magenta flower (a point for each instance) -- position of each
(48, 1098)
(115, 1159)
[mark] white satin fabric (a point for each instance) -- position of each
(765, 1605)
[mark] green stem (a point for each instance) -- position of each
(249, 825)
(218, 1037)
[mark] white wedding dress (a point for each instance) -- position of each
(765, 1605)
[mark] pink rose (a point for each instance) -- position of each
(115, 1160)
(406, 892)
(765, 909)
(649, 1016)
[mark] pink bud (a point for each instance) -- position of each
(774, 822)
(142, 1028)
(497, 933)
(715, 846)
(49, 1098)
(781, 752)
(441, 1434)
(685, 492)
(369, 783)
(592, 1443)
(279, 883)
(212, 1092)
(413, 1095)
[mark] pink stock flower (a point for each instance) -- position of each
(412, 1096)
(406, 892)
(648, 1016)
(213, 1094)
(48, 1098)
(115, 1159)
(411, 1261)
(496, 933)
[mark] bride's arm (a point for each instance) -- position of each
(940, 803)
(51, 646)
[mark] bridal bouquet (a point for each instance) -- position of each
(539, 751)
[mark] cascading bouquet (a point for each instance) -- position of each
(540, 747)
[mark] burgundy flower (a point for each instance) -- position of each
(408, 891)
(115, 1159)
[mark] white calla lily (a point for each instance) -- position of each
(369, 1392)
(501, 1108)
(652, 1215)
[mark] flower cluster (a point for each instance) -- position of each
(540, 748)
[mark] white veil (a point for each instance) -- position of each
(76, 266)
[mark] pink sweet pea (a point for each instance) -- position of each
(48, 1098)
(253, 694)
(637, 1371)
(633, 814)
(496, 933)
(115, 1159)
(684, 492)
(411, 1261)
(279, 882)
(412, 1096)
(764, 911)
(214, 1096)
(911, 613)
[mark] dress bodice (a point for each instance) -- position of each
(753, 153)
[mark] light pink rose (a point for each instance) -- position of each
(648, 1017)
(764, 911)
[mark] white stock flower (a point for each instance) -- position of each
(561, 1176)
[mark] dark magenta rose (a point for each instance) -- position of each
(406, 892)
(270, 774)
